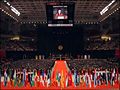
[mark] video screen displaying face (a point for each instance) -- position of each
(60, 12)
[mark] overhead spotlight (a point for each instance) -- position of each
(8, 3)
(16, 37)
(5, 1)
(105, 37)
(34, 25)
(2, 9)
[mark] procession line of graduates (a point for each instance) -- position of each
(33, 78)
(74, 78)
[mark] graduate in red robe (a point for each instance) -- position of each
(69, 79)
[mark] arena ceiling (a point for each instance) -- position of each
(85, 10)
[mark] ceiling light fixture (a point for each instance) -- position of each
(107, 7)
(12, 8)
(15, 10)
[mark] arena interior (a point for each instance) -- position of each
(60, 44)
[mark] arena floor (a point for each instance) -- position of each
(102, 87)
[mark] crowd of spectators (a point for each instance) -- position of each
(33, 63)
(72, 63)
(90, 63)
(98, 44)
(20, 46)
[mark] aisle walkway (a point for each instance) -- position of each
(60, 67)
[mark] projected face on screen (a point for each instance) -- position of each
(60, 12)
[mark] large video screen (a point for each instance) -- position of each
(60, 14)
